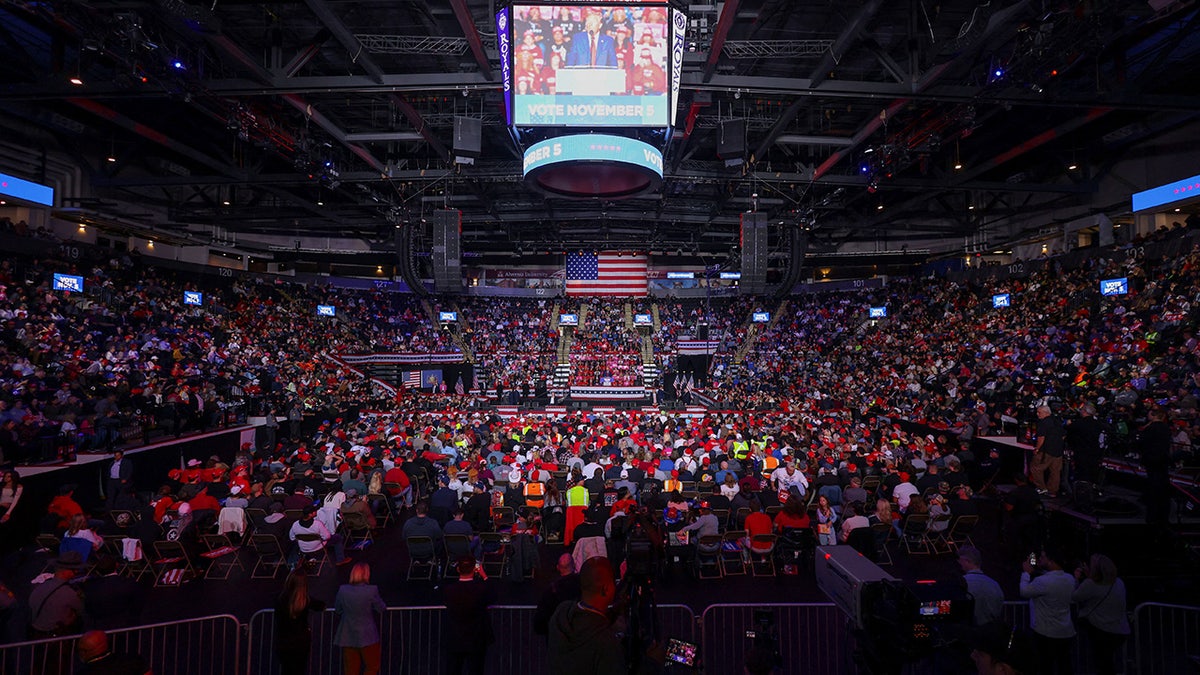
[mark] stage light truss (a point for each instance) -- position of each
(773, 49)
(413, 44)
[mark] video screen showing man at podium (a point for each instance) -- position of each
(590, 65)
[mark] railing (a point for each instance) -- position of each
(208, 645)
(813, 639)
(412, 640)
(1166, 638)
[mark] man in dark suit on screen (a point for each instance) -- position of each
(591, 48)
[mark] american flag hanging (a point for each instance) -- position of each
(412, 379)
(606, 273)
(458, 386)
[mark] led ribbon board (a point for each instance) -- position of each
(593, 165)
(1166, 194)
(17, 188)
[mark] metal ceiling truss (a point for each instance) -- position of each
(413, 44)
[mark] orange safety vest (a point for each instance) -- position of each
(535, 494)
(671, 485)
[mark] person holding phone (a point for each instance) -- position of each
(1049, 595)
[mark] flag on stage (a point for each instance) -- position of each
(412, 379)
(606, 273)
(458, 386)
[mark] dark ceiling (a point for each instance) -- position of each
(227, 112)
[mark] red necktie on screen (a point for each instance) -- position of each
(593, 50)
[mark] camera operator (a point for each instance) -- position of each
(583, 638)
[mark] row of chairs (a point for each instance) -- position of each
(732, 554)
(426, 560)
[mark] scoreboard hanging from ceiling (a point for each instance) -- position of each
(571, 69)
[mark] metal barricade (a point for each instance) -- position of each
(815, 639)
(1166, 638)
(205, 646)
(412, 640)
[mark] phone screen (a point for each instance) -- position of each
(681, 652)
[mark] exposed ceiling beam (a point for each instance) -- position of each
(999, 21)
(332, 129)
(844, 42)
(353, 46)
(467, 22)
(728, 14)
(305, 55)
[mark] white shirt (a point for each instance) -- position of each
(785, 481)
(903, 492)
(1050, 603)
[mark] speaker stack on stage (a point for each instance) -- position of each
(447, 251)
(754, 254)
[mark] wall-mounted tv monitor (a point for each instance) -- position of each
(193, 298)
(1114, 286)
(760, 317)
(568, 319)
(326, 310)
(643, 320)
(447, 317)
(731, 275)
(877, 312)
(1001, 300)
(68, 282)
(591, 64)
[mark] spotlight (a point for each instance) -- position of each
(1072, 167)
(76, 81)
(178, 65)
(864, 168)
(320, 202)
(225, 202)
(958, 166)
(998, 73)
(111, 158)
(879, 208)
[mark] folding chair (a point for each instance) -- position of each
(773, 511)
(222, 556)
(421, 554)
(708, 557)
(935, 538)
(494, 552)
(871, 485)
(357, 528)
(883, 533)
(270, 556)
(960, 530)
(293, 514)
(912, 536)
(171, 565)
(722, 519)
(383, 516)
(122, 518)
(112, 547)
(503, 517)
(49, 544)
(314, 562)
(739, 517)
(731, 553)
(389, 488)
(762, 555)
(457, 546)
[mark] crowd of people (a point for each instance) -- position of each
(824, 455)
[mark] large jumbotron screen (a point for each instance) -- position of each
(602, 65)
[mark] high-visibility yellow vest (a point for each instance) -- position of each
(578, 496)
(535, 494)
(741, 449)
